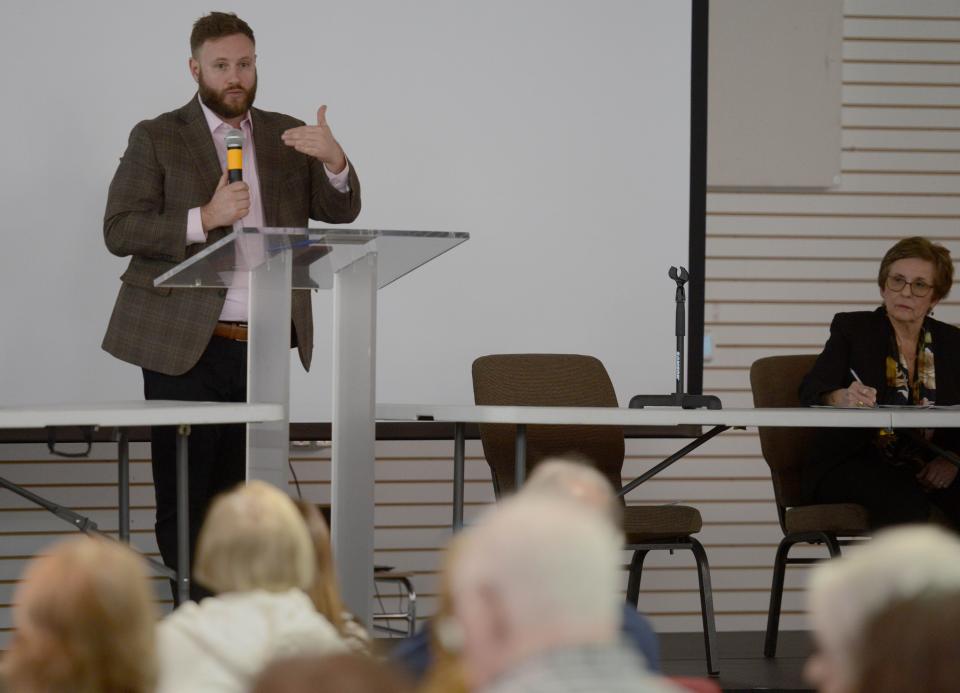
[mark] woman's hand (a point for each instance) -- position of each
(857, 395)
(938, 473)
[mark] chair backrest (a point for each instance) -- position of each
(543, 380)
(775, 382)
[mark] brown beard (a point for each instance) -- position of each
(213, 100)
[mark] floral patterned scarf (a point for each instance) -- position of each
(924, 389)
(906, 450)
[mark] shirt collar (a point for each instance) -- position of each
(214, 122)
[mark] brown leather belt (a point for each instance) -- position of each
(231, 330)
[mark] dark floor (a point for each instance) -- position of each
(742, 664)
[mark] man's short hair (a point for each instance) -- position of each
(254, 538)
(554, 563)
(217, 25)
(912, 646)
(573, 478)
(900, 563)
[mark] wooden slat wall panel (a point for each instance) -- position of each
(894, 115)
(799, 226)
(779, 265)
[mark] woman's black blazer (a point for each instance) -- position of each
(861, 341)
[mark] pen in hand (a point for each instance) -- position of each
(866, 395)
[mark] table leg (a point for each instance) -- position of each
(459, 445)
(679, 454)
(520, 456)
(183, 519)
(123, 483)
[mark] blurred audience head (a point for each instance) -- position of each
(912, 645)
(575, 480)
(534, 574)
(346, 673)
(254, 538)
(84, 621)
(847, 592)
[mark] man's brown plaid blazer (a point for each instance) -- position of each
(169, 167)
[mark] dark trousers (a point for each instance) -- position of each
(217, 459)
(890, 494)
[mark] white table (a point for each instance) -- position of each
(718, 419)
(123, 415)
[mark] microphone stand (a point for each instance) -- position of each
(678, 398)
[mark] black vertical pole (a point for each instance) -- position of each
(698, 191)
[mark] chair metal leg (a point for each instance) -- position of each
(776, 599)
(411, 608)
(633, 580)
(409, 615)
(833, 545)
(779, 574)
(706, 607)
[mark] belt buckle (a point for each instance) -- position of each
(236, 331)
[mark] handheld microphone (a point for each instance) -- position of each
(234, 141)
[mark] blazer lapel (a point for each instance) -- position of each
(266, 139)
(196, 136)
(875, 374)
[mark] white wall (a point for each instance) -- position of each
(556, 134)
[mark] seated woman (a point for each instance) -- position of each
(894, 355)
(254, 552)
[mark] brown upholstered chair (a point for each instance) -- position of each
(775, 382)
(581, 381)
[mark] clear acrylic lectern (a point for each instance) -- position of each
(354, 263)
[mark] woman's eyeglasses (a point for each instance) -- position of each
(918, 287)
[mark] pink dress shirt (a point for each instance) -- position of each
(235, 306)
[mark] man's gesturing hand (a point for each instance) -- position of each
(317, 141)
(230, 203)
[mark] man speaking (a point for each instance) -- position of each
(170, 198)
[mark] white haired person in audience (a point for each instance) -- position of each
(537, 602)
(565, 478)
(848, 592)
(254, 552)
(912, 645)
(324, 591)
(573, 479)
(84, 619)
